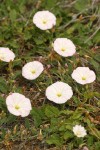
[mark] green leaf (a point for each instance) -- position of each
(81, 5)
(27, 35)
(13, 14)
(51, 111)
(97, 57)
(95, 64)
(77, 115)
(90, 140)
(68, 134)
(97, 145)
(3, 85)
(62, 128)
(55, 139)
(95, 132)
(10, 119)
(96, 38)
(2, 103)
(90, 94)
(66, 112)
(50, 3)
(37, 115)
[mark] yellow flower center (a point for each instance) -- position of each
(44, 21)
(78, 133)
(83, 78)
(63, 49)
(59, 94)
(33, 71)
(17, 107)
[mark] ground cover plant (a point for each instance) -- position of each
(38, 57)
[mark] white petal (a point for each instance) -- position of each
(83, 72)
(48, 17)
(27, 70)
(79, 131)
(67, 45)
(13, 111)
(19, 100)
(6, 54)
(57, 88)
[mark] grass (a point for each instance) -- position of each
(49, 126)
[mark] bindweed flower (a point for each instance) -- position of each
(79, 131)
(64, 47)
(32, 70)
(18, 105)
(83, 75)
(44, 20)
(6, 54)
(59, 92)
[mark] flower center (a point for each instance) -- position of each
(33, 71)
(17, 107)
(59, 94)
(44, 21)
(63, 49)
(78, 133)
(83, 78)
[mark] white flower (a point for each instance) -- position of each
(83, 75)
(59, 92)
(32, 70)
(6, 54)
(64, 47)
(79, 131)
(18, 105)
(44, 20)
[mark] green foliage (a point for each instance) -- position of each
(51, 111)
(3, 85)
(68, 135)
(37, 115)
(55, 139)
(2, 103)
(81, 5)
(50, 124)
